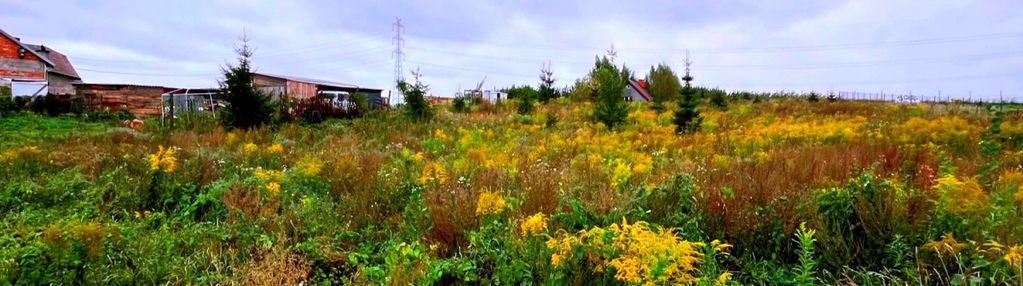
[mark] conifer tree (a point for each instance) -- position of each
(246, 106)
(609, 106)
(687, 118)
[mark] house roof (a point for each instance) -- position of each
(61, 64)
(26, 47)
(316, 81)
(639, 88)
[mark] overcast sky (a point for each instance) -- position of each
(921, 47)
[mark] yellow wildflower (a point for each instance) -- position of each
(720, 246)
(309, 166)
(250, 148)
(961, 196)
(418, 156)
(947, 245)
(275, 149)
(620, 175)
(163, 160)
(489, 203)
(723, 278)
(638, 253)
(432, 173)
(1014, 256)
(533, 225)
(231, 138)
(268, 175)
(440, 134)
(274, 188)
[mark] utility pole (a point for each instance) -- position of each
(398, 54)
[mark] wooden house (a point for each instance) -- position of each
(33, 70)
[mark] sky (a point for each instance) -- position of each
(955, 48)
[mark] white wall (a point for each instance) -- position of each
(28, 88)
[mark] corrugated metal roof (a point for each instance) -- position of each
(314, 81)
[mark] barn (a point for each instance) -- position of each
(140, 100)
(304, 88)
(32, 70)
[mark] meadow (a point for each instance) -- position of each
(769, 191)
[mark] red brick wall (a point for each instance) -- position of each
(14, 67)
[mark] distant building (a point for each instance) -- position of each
(636, 91)
(304, 88)
(140, 100)
(438, 100)
(33, 70)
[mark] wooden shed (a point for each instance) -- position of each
(304, 88)
(140, 100)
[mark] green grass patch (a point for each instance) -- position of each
(29, 128)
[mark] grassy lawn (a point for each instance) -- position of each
(31, 128)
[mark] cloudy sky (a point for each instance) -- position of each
(923, 47)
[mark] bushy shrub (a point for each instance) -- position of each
(416, 106)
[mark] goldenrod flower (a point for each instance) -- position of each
(720, 246)
(268, 175)
(1014, 256)
(231, 138)
(432, 173)
(947, 245)
(535, 224)
(961, 196)
(275, 149)
(489, 203)
(440, 134)
(309, 166)
(163, 160)
(638, 253)
(723, 278)
(250, 148)
(274, 188)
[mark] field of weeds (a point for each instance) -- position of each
(772, 192)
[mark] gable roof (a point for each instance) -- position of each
(61, 65)
(26, 47)
(639, 88)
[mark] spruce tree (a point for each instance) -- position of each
(547, 91)
(609, 107)
(687, 118)
(246, 106)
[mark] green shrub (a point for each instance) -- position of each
(416, 107)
